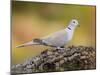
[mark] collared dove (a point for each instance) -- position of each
(57, 39)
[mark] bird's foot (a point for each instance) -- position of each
(59, 48)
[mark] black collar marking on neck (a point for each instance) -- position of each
(69, 28)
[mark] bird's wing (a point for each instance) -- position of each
(56, 38)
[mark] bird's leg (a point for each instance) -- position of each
(59, 48)
(62, 47)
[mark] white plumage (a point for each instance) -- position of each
(56, 39)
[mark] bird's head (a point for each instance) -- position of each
(74, 22)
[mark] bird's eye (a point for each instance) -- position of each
(73, 21)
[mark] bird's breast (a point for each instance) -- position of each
(69, 35)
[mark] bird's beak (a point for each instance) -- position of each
(78, 25)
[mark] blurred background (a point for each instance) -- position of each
(34, 19)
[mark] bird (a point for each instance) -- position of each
(57, 39)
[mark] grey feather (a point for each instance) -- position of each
(56, 39)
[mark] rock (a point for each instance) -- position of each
(66, 59)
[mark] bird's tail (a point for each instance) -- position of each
(27, 44)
